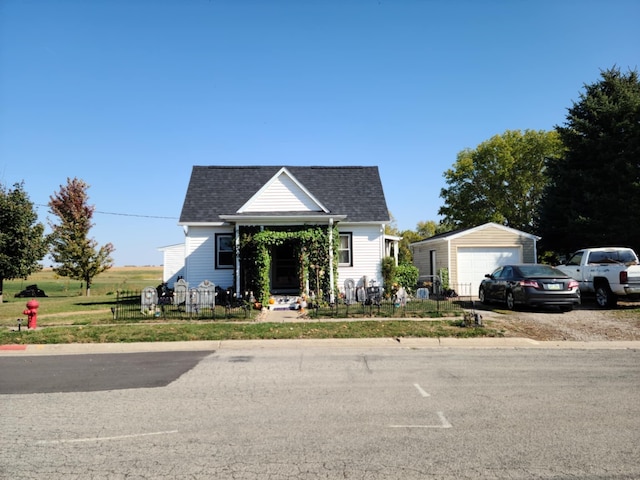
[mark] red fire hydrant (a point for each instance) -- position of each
(32, 313)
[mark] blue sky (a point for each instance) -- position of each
(128, 95)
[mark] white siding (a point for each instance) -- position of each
(173, 262)
(200, 258)
(422, 257)
(367, 251)
(282, 195)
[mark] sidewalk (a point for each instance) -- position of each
(410, 343)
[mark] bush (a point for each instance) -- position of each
(407, 276)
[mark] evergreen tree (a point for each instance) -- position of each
(22, 241)
(78, 256)
(593, 194)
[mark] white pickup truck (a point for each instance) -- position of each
(609, 272)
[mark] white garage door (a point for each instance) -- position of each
(474, 263)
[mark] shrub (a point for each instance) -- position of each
(407, 276)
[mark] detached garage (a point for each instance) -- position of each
(465, 256)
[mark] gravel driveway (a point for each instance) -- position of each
(586, 323)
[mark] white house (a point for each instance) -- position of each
(225, 207)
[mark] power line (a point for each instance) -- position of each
(135, 215)
(122, 214)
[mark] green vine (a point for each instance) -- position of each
(312, 244)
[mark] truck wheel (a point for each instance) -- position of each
(605, 298)
(511, 302)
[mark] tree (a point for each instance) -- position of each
(426, 229)
(501, 181)
(404, 252)
(22, 240)
(593, 194)
(77, 255)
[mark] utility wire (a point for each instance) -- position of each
(122, 214)
(135, 215)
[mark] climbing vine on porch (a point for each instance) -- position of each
(312, 249)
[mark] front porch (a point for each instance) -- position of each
(284, 302)
(286, 262)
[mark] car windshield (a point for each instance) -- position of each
(540, 271)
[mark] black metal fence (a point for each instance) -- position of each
(129, 306)
(390, 309)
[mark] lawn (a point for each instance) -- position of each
(66, 302)
(67, 316)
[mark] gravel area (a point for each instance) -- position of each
(586, 323)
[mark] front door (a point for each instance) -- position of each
(284, 269)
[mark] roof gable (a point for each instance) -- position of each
(466, 231)
(214, 192)
(282, 193)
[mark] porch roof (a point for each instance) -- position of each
(269, 217)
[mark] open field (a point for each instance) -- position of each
(66, 302)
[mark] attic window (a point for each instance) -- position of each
(224, 251)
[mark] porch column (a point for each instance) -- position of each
(395, 250)
(331, 294)
(237, 249)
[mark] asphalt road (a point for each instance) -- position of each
(325, 412)
(89, 373)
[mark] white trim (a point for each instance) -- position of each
(237, 247)
(202, 224)
(331, 277)
(262, 219)
(455, 235)
(449, 257)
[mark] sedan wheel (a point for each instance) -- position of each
(511, 302)
(483, 297)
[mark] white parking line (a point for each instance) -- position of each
(421, 391)
(444, 423)
(100, 439)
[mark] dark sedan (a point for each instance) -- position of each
(530, 284)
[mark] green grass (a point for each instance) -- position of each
(67, 316)
(241, 331)
(66, 302)
(107, 283)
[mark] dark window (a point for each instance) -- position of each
(576, 259)
(345, 250)
(612, 256)
(224, 251)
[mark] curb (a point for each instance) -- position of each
(403, 343)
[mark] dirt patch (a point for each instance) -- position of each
(586, 323)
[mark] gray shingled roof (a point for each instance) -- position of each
(352, 191)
